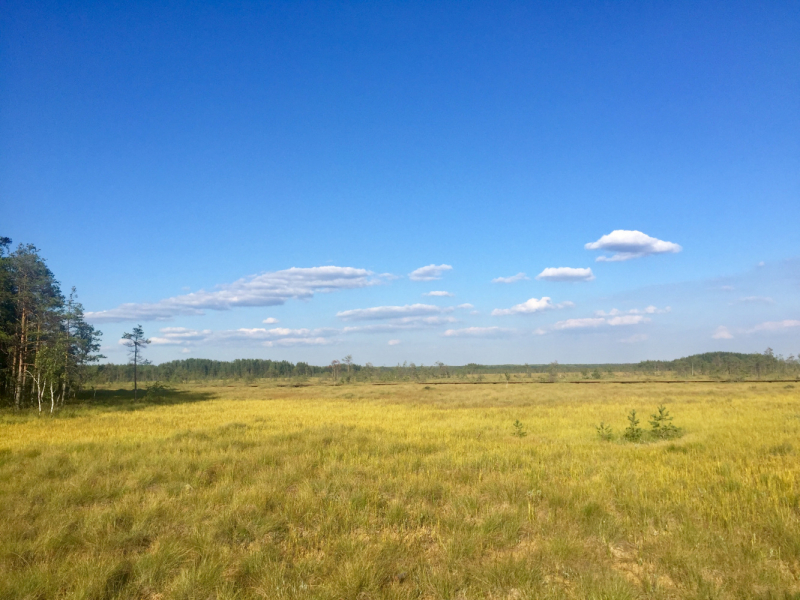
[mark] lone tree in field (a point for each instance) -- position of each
(136, 343)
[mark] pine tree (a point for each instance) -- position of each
(136, 343)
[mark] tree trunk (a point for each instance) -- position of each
(21, 362)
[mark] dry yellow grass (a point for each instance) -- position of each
(400, 491)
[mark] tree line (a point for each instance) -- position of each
(726, 365)
(731, 365)
(201, 369)
(45, 343)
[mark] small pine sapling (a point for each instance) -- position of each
(633, 432)
(519, 429)
(661, 423)
(605, 432)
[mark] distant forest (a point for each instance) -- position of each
(717, 365)
(48, 352)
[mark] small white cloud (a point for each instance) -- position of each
(634, 339)
(650, 310)
(565, 274)
(627, 320)
(512, 279)
(722, 333)
(776, 325)
(480, 332)
(465, 306)
(270, 321)
(429, 273)
(585, 323)
(392, 312)
(439, 294)
(761, 264)
(593, 322)
(755, 300)
(185, 350)
(628, 244)
(531, 306)
(394, 342)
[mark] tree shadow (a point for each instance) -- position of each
(123, 400)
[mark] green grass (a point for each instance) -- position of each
(404, 492)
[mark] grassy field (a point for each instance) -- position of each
(405, 491)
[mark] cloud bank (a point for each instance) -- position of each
(279, 336)
(627, 244)
(392, 312)
(268, 289)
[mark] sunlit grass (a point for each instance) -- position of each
(404, 492)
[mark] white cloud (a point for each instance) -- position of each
(650, 310)
(531, 306)
(585, 323)
(627, 320)
(268, 289)
(776, 325)
(565, 274)
(392, 312)
(270, 321)
(401, 324)
(722, 333)
(512, 279)
(628, 244)
(440, 294)
(634, 339)
(394, 342)
(593, 322)
(465, 306)
(429, 273)
(480, 332)
(278, 336)
(185, 350)
(755, 300)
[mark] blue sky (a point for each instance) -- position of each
(176, 161)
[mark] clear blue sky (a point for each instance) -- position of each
(174, 161)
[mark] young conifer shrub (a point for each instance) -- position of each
(661, 423)
(605, 432)
(519, 429)
(633, 433)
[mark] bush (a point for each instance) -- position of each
(519, 429)
(633, 432)
(661, 423)
(605, 432)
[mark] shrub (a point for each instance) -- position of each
(661, 423)
(633, 432)
(604, 431)
(519, 429)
